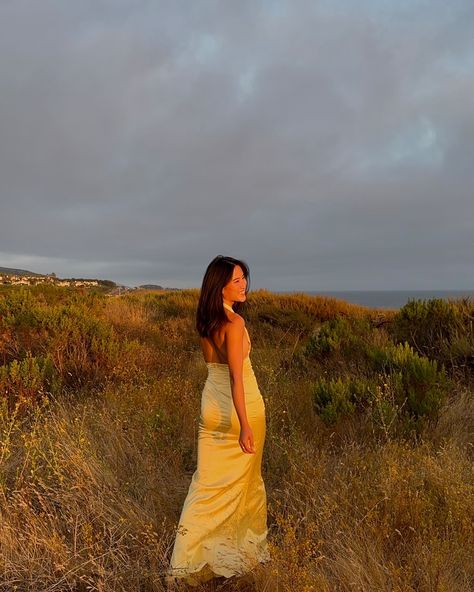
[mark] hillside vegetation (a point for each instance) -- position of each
(368, 461)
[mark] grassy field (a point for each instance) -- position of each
(368, 461)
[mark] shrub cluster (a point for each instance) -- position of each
(23, 382)
(395, 386)
(63, 345)
(439, 329)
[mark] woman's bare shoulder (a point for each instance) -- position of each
(236, 323)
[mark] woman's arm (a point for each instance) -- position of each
(234, 341)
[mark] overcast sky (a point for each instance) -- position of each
(328, 144)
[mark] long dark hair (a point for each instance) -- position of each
(210, 315)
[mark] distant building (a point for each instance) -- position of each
(30, 280)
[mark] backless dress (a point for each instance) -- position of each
(222, 529)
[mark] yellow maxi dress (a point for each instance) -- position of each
(222, 530)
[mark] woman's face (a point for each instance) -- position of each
(235, 289)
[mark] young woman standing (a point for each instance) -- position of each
(222, 529)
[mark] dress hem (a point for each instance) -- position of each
(194, 574)
(195, 577)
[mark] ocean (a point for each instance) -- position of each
(388, 298)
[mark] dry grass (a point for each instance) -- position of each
(91, 487)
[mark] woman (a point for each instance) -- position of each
(222, 529)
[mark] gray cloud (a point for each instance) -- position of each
(330, 146)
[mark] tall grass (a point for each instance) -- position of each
(94, 467)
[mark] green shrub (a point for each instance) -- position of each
(379, 358)
(338, 335)
(85, 349)
(28, 380)
(81, 347)
(352, 343)
(335, 399)
(422, 385)
(426, 322)
(439, 329)
(408, 391)
(332, 400)
(19, 311)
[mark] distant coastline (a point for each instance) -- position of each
(386, 298)
(371, 298)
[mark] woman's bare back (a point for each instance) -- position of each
(219, 355)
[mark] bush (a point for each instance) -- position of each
(27, 381)
(84, 348)
(64, 343)
(338, 335)
(439, 329)
(426, 322)
(335, 399)
(421, 384)
(410, 388)
(352, 343)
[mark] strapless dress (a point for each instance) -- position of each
(222, 529)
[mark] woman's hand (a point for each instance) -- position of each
(246, 440)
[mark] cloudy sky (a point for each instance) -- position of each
(328, 144)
